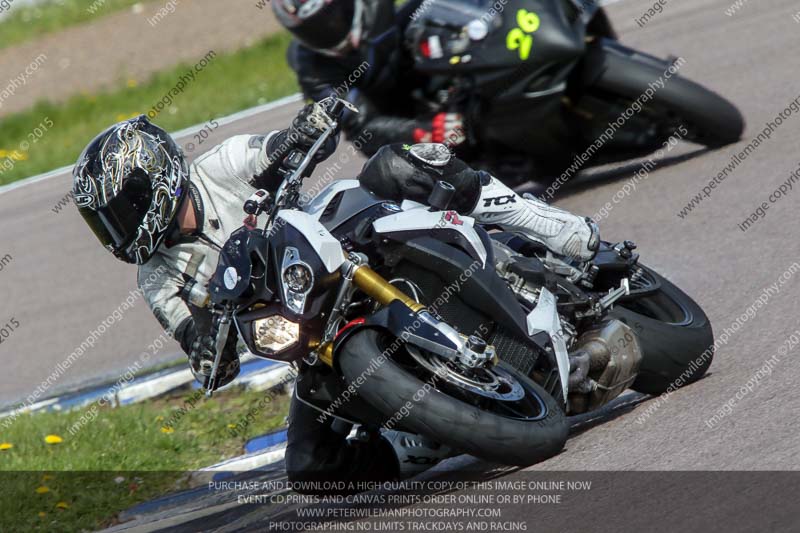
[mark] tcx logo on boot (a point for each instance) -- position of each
(499, 200)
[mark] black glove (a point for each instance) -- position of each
(302, 135)
(303, 132)
(201, 351)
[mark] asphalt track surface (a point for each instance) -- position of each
(61, 284)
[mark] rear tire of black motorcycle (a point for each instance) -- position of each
(673, 355)
(446, 419)
(710, 118)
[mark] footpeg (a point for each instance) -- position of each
(613, 295)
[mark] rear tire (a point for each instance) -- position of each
(446, 419)
(675, 336)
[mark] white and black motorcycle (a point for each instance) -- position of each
(413, 317)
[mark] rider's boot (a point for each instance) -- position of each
(415, 453)
(562, 232)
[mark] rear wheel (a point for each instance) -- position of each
(495, 414)
(674, 333)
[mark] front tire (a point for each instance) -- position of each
(710, 119)
(446, 419)
(674, 333)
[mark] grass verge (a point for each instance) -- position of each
(122, 457)
(49, 135)
(30, 21)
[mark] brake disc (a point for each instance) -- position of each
(496, 384)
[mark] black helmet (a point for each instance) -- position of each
(334, 27)
(128, 184)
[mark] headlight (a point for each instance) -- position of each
(275, 333)
(298, 277)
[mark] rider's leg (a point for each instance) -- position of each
(561, 231)
(409, 172)
(317, 453)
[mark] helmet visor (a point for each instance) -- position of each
(325, 24)
(117, 222)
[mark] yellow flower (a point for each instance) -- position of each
(5, 446)
(16, 155)
(62, 505)
(231, 426)
(42, 514)
(42, 490)
(167, 430)
(53, 439)
(132, 83)
(3, 153)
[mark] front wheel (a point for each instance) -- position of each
(516, 423)
(674, 102)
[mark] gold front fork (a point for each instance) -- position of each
(383, 292)
(380, 290)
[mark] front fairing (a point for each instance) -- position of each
(241, 269)
(296, 238)
(461, 36)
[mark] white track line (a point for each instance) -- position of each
(178, 134)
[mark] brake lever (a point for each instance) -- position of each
(223, 326)
(339, 105)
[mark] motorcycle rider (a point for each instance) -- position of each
(354, 49)
(147, 206)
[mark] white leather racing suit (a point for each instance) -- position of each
(221, 180)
